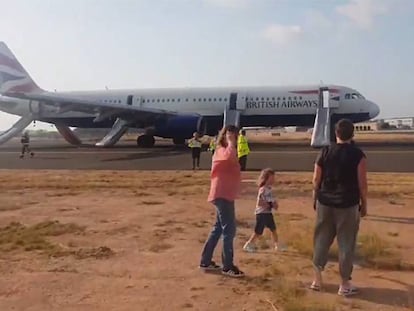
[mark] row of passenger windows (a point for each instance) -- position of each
(220, 99)
(163, 100)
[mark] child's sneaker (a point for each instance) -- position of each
(249, 248)
(280, 248)
(347, 291)
(233, 272)
(211, 267)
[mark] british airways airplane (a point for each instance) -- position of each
(168, 113)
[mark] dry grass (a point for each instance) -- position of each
(29, 238)
(102, 252)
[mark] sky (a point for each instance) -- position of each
(93, 44)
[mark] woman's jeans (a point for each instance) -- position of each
(225, 225)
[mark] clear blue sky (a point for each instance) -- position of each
(90, 44)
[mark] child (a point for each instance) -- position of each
(195, 144)
(265, 205)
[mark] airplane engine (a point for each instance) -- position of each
(180, 127)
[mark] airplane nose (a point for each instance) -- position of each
(373, 110)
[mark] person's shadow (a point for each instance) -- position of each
(383, 296)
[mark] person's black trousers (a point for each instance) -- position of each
(243, 162)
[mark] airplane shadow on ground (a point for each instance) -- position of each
(391, 219)
(147, 155)
(382, 296)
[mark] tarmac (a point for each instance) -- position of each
(58, 155)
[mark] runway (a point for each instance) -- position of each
(55, 155)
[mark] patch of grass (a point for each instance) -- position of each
(102, 252)
(377, 253)
(393, 234)
(30, 238)
(159, 247)
(152, 202)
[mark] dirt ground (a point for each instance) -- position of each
(73, 240)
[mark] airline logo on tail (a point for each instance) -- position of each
(13, 77)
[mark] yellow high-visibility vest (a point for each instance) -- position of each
(242, 146)
(212, 145)
(194, 143)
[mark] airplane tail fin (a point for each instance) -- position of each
(13, 77)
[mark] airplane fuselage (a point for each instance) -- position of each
(259, 106)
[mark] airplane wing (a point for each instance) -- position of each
(66, 103)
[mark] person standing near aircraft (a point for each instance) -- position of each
(224, 188)
(212, 145)
(243, 149)
(195, 144)
(340, 196)
(25, 141)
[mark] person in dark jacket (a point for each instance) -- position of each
(340, 196)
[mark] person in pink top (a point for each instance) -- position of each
(224, 189)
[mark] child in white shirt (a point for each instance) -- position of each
(265, 205)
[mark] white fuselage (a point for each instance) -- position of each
(254, 101)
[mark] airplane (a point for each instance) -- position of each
(174, 113)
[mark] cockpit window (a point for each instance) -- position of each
(354, 96)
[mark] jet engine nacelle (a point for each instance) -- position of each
(180, 126)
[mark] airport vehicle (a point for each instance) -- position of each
(177, 112)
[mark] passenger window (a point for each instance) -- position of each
(273, 98)
(347, 96)
(220, 99)
(204, 99)
(209, 99)
(173, 100)
(158, 100)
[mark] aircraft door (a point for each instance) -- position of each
(233, 101)
(130, 98)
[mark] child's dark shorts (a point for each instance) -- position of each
(264, 220)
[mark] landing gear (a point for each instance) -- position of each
(179, 141)
(145, 141)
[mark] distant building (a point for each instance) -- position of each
(400, 123)
(368, 126)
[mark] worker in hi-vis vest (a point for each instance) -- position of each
(243, 149)
(195, 144)
(212, 145)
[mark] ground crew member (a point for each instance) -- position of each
(25, 140)
(195, 144)
(212, 146)
(243, 149)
